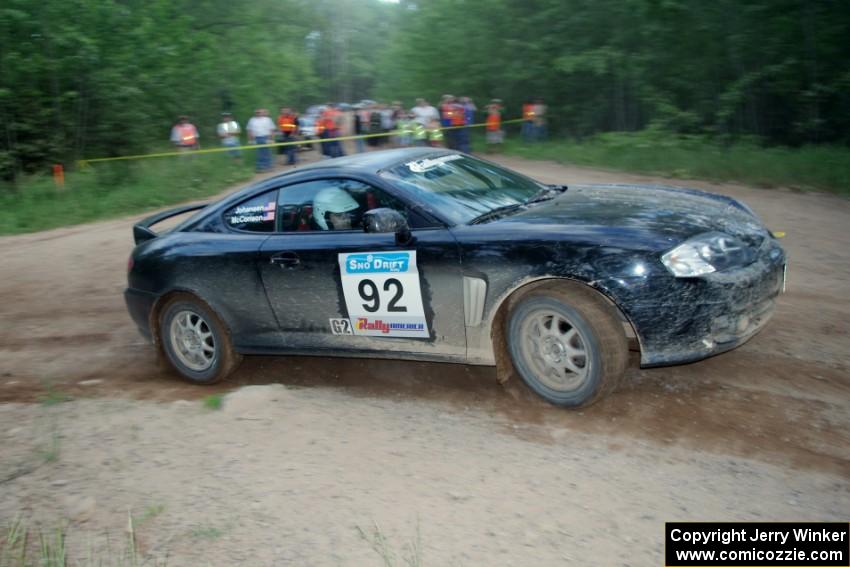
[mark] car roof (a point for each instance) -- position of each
(365, 163)
(373, 162)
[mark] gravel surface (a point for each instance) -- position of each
(305, 450)
(284, 476)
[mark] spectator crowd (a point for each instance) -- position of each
(373, 125)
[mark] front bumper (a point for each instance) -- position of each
(696, 318)
(139, 304)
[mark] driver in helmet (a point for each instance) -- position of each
(335, 209)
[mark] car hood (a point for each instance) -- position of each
(654, 217)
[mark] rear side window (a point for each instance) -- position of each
(254, 215)
(335, 204)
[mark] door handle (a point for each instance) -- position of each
(286, 259)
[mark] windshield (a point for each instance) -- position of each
(461, 187)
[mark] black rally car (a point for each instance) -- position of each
(429, 254)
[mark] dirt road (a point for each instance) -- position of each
(762, 432)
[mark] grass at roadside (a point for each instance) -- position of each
(410, 555)
(213, 402)
(115, 189)
(825, 168)
(23, 546)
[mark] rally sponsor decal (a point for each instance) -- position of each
(367, 324)
(423, 165)
(382, 294)
(340, 326)
(374, 263)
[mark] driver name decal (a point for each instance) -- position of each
(256, 213)
(382, 294)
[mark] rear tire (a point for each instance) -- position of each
(567, 344)
(195, 341)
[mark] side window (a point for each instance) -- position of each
(254, 215)
(334, 204)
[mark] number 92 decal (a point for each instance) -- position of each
(382, 294)
(368, 290)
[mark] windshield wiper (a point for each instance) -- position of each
(495, 213)
(545, 194)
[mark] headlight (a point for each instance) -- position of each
(706, 253)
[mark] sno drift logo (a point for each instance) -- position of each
(364, 324)
(393, 262)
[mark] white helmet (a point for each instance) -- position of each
(332, 200)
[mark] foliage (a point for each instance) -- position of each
(54, 396)
(213, 402)
(773, 68)
(95, 78)
(123, 188)
(411, 553)
(23, 546)
(83, 78)
(206, 532)
(699, 157)
(346, 44)
(149, 513)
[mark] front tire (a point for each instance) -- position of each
(195, 342)
(567, 345)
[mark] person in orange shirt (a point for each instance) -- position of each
(449, 117)
(287, 127)
(184, 135)
(495, 134)
(332, 117)
(327, 129)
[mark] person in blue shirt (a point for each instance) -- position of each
(462, 136)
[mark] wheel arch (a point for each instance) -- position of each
(503, 305)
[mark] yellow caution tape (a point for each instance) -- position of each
(86, 162)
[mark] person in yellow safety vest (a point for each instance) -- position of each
(287, 127)
(528, 126)
(435, 135)
(404, 127)
(184, 135)
(418, 133)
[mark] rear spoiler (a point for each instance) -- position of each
(142, 230)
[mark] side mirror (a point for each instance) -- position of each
(387, 220)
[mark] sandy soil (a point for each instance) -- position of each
(285, 473)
